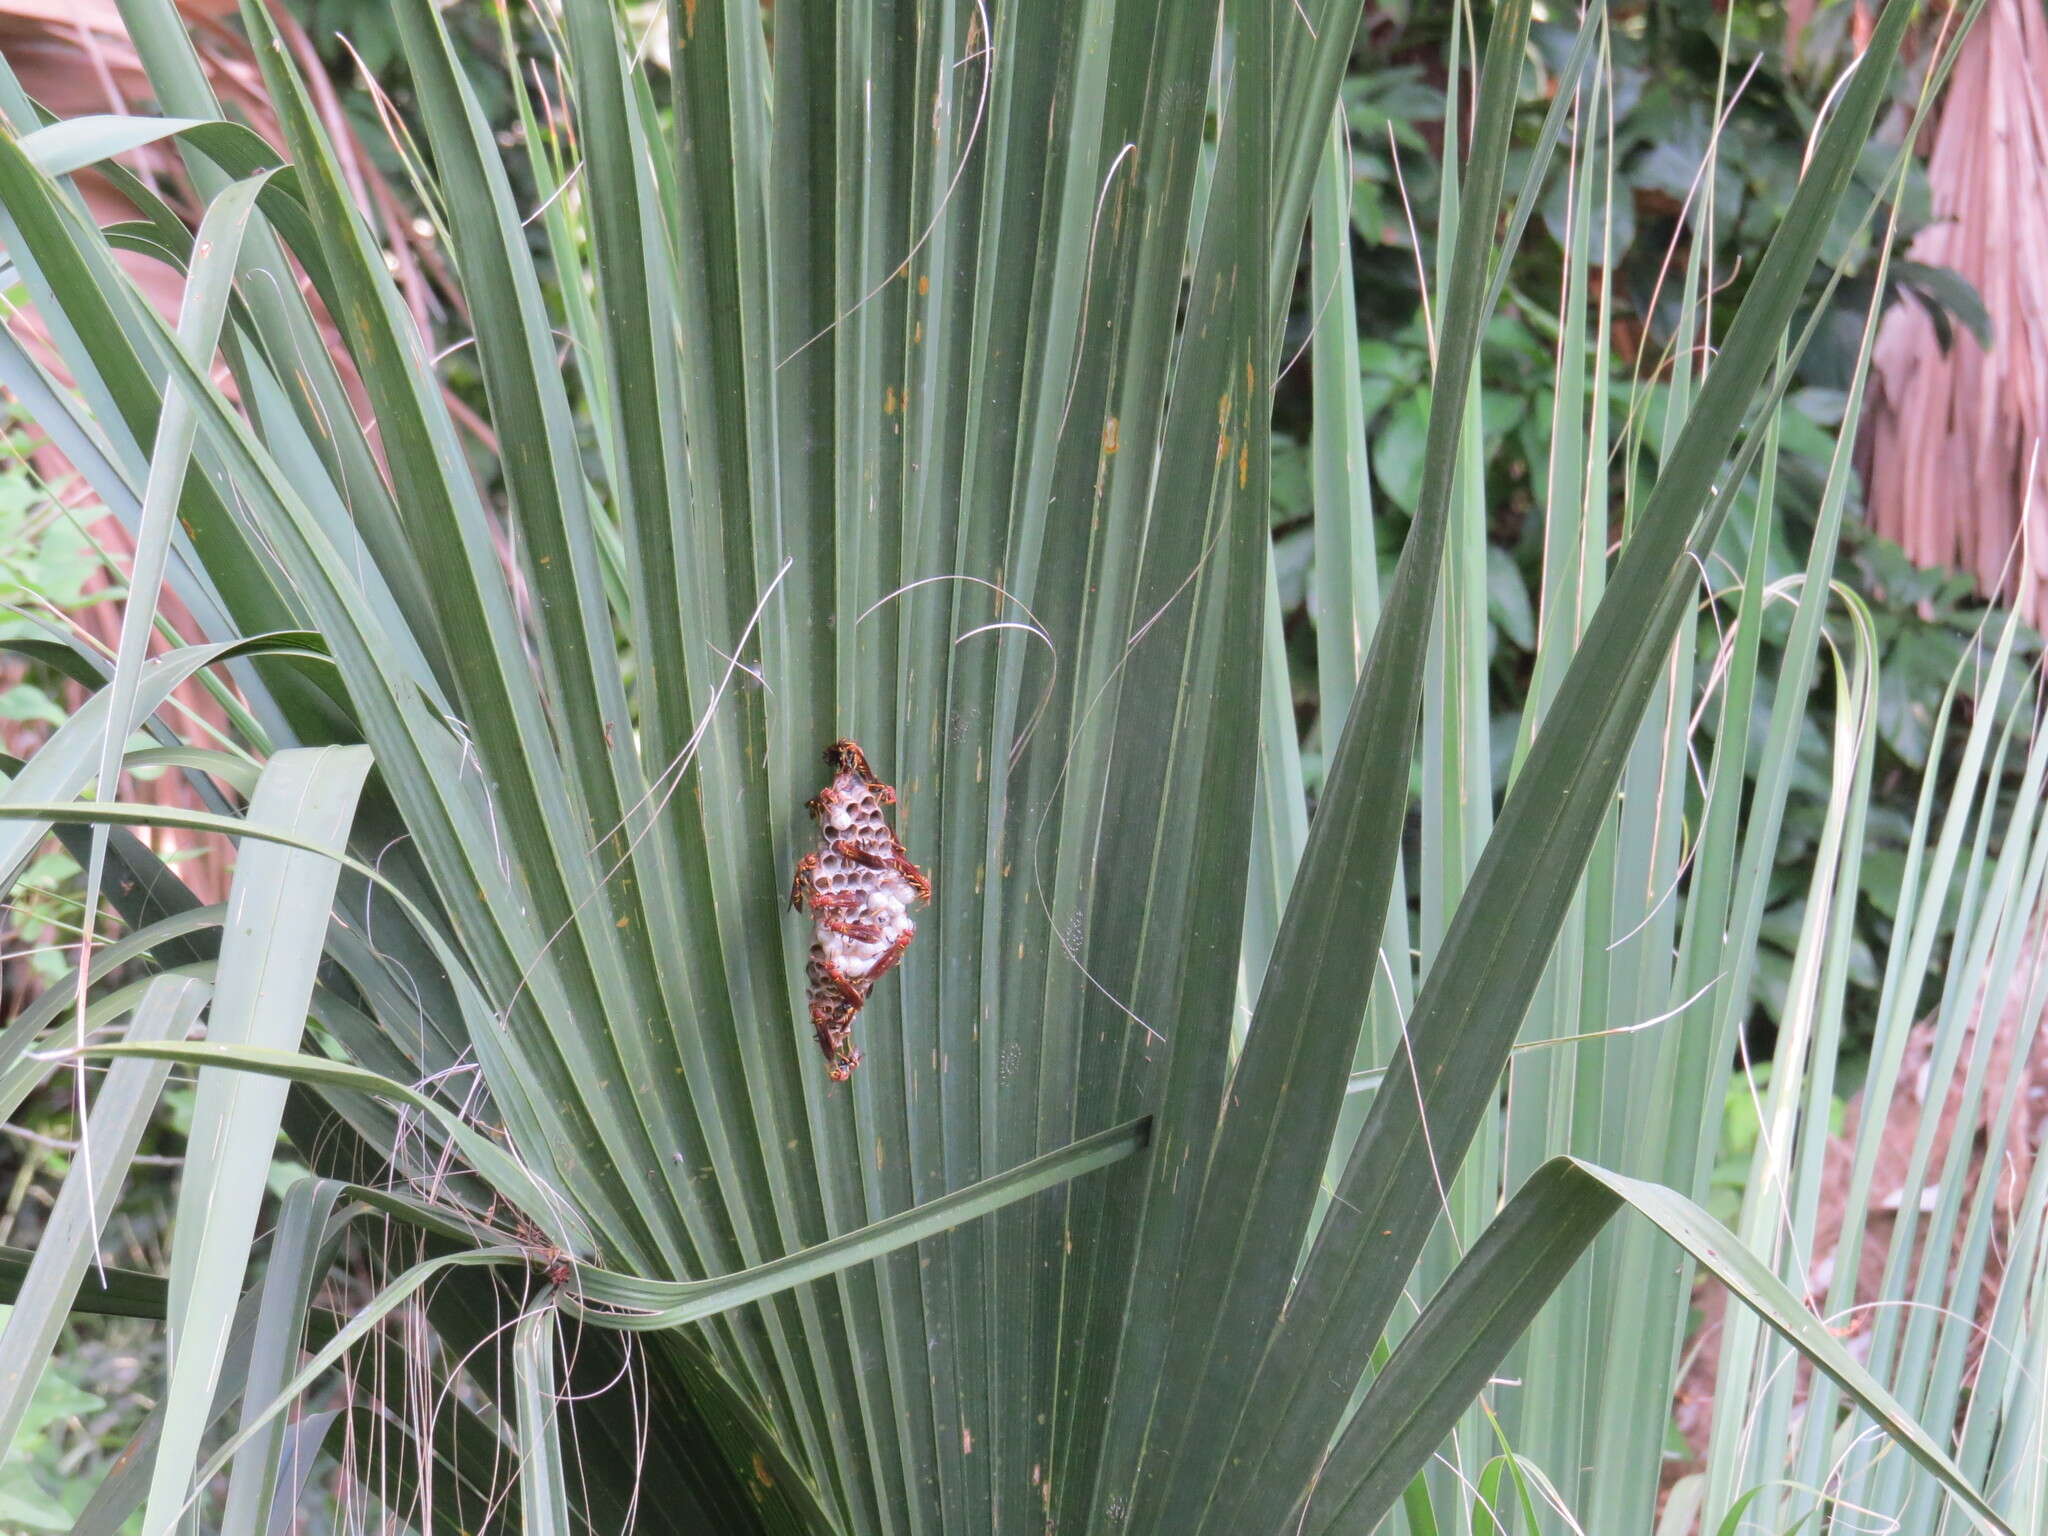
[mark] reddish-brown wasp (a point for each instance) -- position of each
(859, 884)
(554, 1263)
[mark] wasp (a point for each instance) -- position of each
(859, 884)
(556, 1264)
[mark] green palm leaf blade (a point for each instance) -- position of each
(1160, 898)
(273, 933)
(297, 1260)
(1289, 1084)
(114, 1292)
(543, 1491)
(1464, 1332)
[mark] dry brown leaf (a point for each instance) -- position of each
(1950, 436)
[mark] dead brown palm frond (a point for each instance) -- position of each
(1852, 25)
(1954, 432)
(75, 58)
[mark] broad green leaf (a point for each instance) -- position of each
(74, 143)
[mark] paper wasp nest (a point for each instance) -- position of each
(859, 885)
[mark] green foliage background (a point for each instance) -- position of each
(1669, 63)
